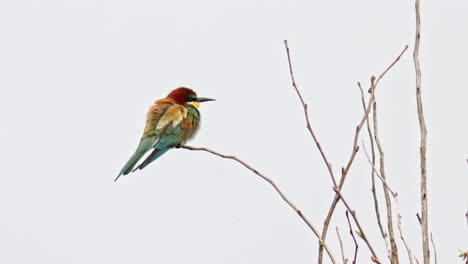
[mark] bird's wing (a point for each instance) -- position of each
(150, 135)
(170, 132)
(173, 115)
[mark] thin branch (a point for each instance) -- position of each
(337, 189)
(416, 259)
(306, 115)
(397, 206)
(354, 151)
(388, 202)
(345, 261)
(374, 257)
(400, 229)
(373, 190)
(354, 239)
(423, 129)
(434, 248)
(376, 171)
(277, 189)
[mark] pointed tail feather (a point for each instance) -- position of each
(128, 167)
(154, 155)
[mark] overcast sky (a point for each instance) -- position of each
(77, 78)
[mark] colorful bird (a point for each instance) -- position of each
(170, 122)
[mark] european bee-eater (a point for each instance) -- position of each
(170, 123)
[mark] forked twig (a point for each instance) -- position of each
(344, 171)
(277, 189)
(397, 206)
(356, 246)
(373, 190)
(374, 257)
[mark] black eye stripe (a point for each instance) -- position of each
(192, 99)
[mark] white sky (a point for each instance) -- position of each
(77, 78)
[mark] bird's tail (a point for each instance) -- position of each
(128, 167)
(153, 156)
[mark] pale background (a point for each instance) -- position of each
(77, 77)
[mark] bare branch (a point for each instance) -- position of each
(354, 239)
(277, 189)
(306, 114)
(345, 261)
(373, 190)
(416, 259)
(423, 129)
(434, 248)
(361, 231)
(402, 236)
(388, 202)
(377, 172)
(397, 206)
(354, 151)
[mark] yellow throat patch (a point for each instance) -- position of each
(195, 104)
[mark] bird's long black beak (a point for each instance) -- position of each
(204, 99)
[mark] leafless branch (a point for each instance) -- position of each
(397, 206)
(373, 190)
(434, 248)
(344, 171)
(354, 239)
(361, 231)
(345, 260)
(416, 259)
(400, 228)
(306, 114)
(277, 189)
(377, 172)
(388, 202)
(423, 129)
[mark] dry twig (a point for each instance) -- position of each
(374, 257)
(423, 129)
(344, 171)
(306, 114)
(388, 202)
(356, 246)
(434, 248)
(277, 189)
(345, 260)
(402, 236)
(373, 190)
(397, 206)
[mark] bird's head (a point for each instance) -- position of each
(184, 95)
